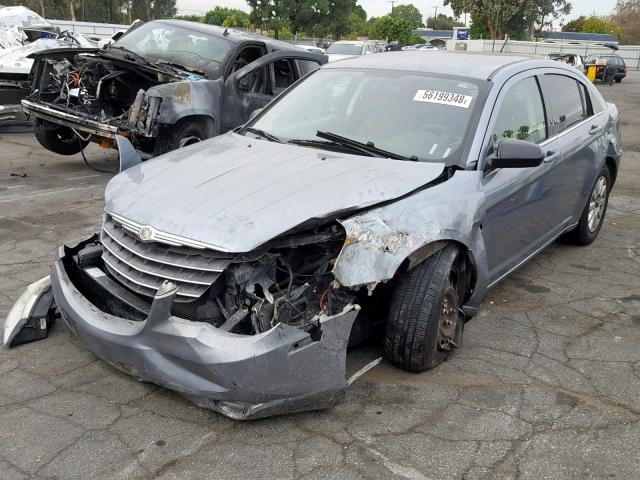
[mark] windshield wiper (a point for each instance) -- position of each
(263, 134)
(128, 54)
(368, 147)
(179, 67)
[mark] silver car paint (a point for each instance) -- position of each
(268, 189)
(378, 241)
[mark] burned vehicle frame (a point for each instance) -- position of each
(163, 85)
(280, 244)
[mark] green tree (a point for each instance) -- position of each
(596, 24)
(219, 15)
(496, 13)
(592, 24)
(268, 15)
(627, 20)
(575, 25)
(443, 22)
(540, 14)
(409, 13)
(392, 29)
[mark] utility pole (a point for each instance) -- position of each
(435, 15)
(393, 2)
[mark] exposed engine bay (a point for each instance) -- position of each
(103, 89)
(289, 281)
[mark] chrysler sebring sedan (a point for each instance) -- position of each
(379, 198)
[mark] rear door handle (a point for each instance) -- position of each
(595, 129)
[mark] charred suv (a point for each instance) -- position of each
(163, 85)
(376, 195)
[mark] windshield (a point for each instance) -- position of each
(344, 49)
(178, 45)
(412, 115)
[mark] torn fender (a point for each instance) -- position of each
(380, 240)
(188, 98)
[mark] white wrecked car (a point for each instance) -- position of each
(23, 32)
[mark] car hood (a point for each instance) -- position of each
(235, 193)
(338, 56)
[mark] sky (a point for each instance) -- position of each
(377, 8)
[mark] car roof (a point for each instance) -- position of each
(233, 35)
(351, 42)
(464, 64)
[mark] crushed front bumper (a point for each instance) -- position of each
(69, 120)
(280, 371)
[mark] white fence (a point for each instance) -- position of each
(630, 54)
(89, 28)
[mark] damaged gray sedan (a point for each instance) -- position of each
(375, 196)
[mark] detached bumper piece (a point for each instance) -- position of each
(31, 316)
(282, 370)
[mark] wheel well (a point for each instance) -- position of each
(426, 251)
(613, 169)
(208, 121)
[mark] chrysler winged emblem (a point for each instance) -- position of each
(146, 233)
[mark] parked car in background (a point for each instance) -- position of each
(312, 48)
(164, 85)
(384, 192)
(572, 59)
(616, 66)
(350, 48)
(426, 46)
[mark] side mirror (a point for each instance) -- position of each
(255, 113)
(511, 153)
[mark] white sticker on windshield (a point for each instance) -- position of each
(443, 98)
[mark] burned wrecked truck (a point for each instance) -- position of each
(163, 85)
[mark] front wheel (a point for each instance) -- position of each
(425, 321)
(58, 139)
(594, 211)
(182, 134)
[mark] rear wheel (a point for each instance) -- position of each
(58, 139)
(182, 134)
(619, 79)
(594, 211)
(425, 321)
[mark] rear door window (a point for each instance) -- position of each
(565, 100)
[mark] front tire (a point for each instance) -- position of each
(425, 322)
(60, 140)
(182, 134)
(594, 211)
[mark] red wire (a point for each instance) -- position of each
(323, 297)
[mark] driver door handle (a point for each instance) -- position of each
(595, 130)
(550, 157)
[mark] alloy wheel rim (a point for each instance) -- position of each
(448, 319)
(597, 204)
(189, 140)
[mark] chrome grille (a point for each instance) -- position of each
(143, 266)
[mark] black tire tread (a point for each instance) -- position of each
(170, 135)
(412, 310)
(47, 136)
